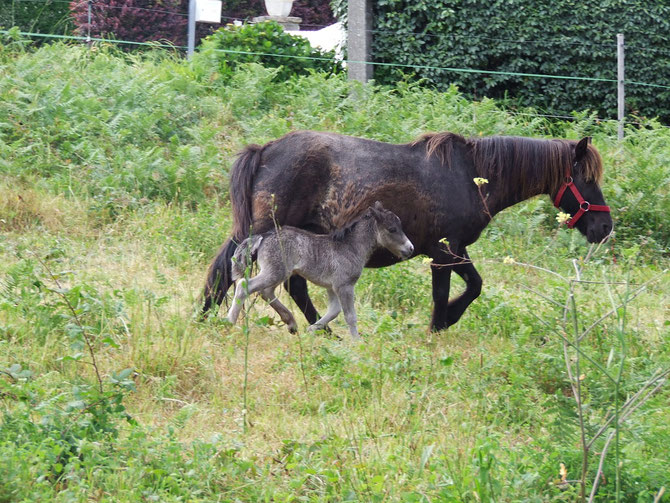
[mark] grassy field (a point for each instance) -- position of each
(113, 200)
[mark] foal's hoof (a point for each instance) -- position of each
(319, 328)
(292, 328)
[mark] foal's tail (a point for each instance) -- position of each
(242, 173)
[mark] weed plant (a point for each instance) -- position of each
(113, 183)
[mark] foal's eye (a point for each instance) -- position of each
(393, 230)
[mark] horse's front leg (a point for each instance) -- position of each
(297, 289)
(473, 287)
(441, 271)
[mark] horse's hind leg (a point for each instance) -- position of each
(334, 309)
(297, 289)
(286, 316)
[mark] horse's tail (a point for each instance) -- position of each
(219, 278)
(242, 176)
(245, 254)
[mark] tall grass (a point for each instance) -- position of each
(113, 176)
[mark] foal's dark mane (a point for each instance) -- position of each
(339, 235)
(518, 165)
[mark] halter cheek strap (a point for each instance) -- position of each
(584, 205)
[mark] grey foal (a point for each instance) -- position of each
(334, 261)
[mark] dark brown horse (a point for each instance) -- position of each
(321, 181)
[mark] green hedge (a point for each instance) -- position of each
(556, 38)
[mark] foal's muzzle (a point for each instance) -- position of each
(407, 251)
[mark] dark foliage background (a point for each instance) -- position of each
(147, 20)
(136, 20)
(557, 38)
(315, 14)
(46, 16)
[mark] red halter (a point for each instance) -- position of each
(584, 206)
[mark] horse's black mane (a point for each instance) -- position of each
(520, 165)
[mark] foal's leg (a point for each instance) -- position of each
(473, 287)
(238, 301)
(334, 309)
(286, 316)
(263, 281)
(345, 294)
(297, 289)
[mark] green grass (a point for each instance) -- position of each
(113, 178)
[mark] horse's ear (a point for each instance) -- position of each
(378, 206)
(582, 147)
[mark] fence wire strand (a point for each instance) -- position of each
(159, 44)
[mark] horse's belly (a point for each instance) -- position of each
(382, 258)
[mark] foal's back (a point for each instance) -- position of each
(317, 257)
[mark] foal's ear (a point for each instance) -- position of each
(378, 206)
(582, 147)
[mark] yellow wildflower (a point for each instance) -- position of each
(480, 181)
(561, 218)
(508, 260)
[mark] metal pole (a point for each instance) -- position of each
(191, 28)
(620, 84)
(359, 39)
(88, 32)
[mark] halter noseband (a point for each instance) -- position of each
(584, 206)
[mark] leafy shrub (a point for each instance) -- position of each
(637, 186)
(258, 43)
(557, 38)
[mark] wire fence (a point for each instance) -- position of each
(348, 61)
(562, 41)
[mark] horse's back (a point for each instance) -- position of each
(321, 181)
